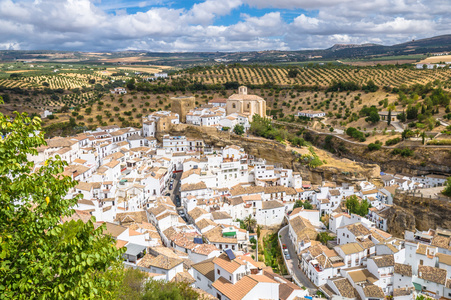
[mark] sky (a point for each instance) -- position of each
(216, 25)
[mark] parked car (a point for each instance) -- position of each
(288, 257)
(174, 175)
(285, 252)
(284, 246)
(170, 187)
(168, 194)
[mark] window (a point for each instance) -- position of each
(219, 272)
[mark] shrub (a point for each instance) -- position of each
(439, 142)
(354, 133)
(392, 141)
(405, 152)
(373, 147)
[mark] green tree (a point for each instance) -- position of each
(423, 136)
(373, 117)
(131, 84)
(135, 285)
(356, 207)
(249, 222)
(40, 257)
(324, 237)
(352, 203)
(304, 204)
(407, 133)
(292, 73)
(363, 208)
(411, 112)
(238, 129)
(447, 190)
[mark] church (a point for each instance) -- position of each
(245, 104)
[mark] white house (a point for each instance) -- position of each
(402, 276)
(432, 281)
(382, 267)
(311, 114)
(119, 91)
(301, 232)
(161, 264)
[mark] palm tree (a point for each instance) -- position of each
(249, 222)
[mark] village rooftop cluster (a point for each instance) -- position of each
(177, 206)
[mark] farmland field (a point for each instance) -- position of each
(436, 59)
(322, 77)
(83, 92)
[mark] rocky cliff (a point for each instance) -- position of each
(425, 160)
(424, 213)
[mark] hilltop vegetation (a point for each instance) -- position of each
(350, 96)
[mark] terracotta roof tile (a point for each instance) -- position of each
(436, 275)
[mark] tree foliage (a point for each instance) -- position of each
(304, 204)
(370, 87)
(324, 237)
(238, 129)
(292, 73)
(353, 132)
(40, 257)
(447, 190)
(135, 286)
(340, 86)
(411, 112)
(249, 222)
(356, 207)
(373, 117)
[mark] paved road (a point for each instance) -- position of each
(175, 187)
(292, 263)
(443, 123)
(398, 127)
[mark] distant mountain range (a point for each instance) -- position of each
(339, 51)
(428, 45)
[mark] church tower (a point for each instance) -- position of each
(242, 90)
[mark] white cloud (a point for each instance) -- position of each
(292, 4)
(91, 24)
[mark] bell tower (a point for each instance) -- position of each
(242, 90)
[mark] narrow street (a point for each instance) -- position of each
(175, 188)
(292, 263)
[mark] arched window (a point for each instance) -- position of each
(233, 105)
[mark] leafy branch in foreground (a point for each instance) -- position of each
(40, 256)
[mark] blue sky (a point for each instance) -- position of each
(216, 25)
(233, 17)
